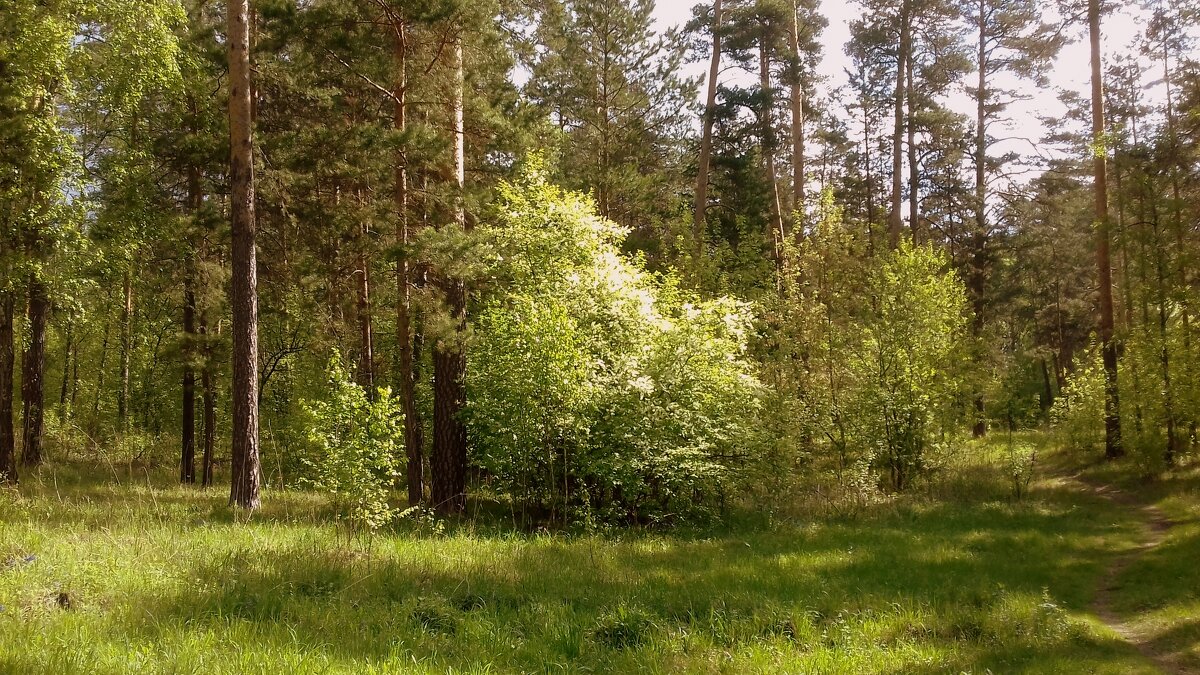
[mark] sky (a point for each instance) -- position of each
(1071, 69)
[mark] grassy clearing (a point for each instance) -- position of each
(150, 577)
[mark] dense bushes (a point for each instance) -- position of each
(865, 356)
(595, 389)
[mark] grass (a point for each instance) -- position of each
(1160, 590)
(147, 576)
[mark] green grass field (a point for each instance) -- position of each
(146, 576)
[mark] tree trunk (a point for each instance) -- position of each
(8, 357)
(126, 350)
(244, 458)
(699, 228)
(869, 177)
(1112, 417)
(768, 144)
(1170, 451)
(187, 463)
(449, 460)
(366, 351)
(94, 423)
(977, 274)
(1178, 224)
(914, 174)
(797, 101)
(895, 221)
(404, 376)
(187, 460)
(68, 345)
(33, 372)
(209, 402)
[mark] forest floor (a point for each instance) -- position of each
(108, 571)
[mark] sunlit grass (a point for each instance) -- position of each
(1159, 592)
(149, 577)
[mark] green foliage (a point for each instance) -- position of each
(1021, 459)
(864, 354)
(912, 342)
(355, 442)
(594, 387)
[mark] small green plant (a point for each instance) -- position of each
(1021, 458)
(355, 442)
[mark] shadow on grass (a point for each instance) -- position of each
(991, 586)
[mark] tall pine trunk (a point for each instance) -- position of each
(1112, 415)
(404, 375)
(699, 229)
(449, 459)
(797, 104)
(978, 240)
(366, 336)
(914, 173)
(33, 372)
(244, 457)
(1178, 223)
(8, 357)
(895, 221)
(187, 459)
(768, 141)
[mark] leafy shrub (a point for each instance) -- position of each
(1078, 413)
(864, 353)
(907, 360)
(597, 391)
(355, 445)
(1020, 460)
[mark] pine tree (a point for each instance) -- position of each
(244, 460)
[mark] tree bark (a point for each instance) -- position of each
(449, 459)
(187, 463)
(209, 402)
(914, 173)
(797, 103)
(895, 221)
(244, 456)
(68, 346)
(1112, 415)
(699, 228)
(404, 375)
(33, 372)
(8, 357)
(768, 143)
(1170, 452)
(977, 275)
(366, 337)
(187, 460)
(126, 350)
(94, 423)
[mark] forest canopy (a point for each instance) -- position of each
(517, 251)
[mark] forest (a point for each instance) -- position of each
(491, 336)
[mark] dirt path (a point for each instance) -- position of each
(1155, 525)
